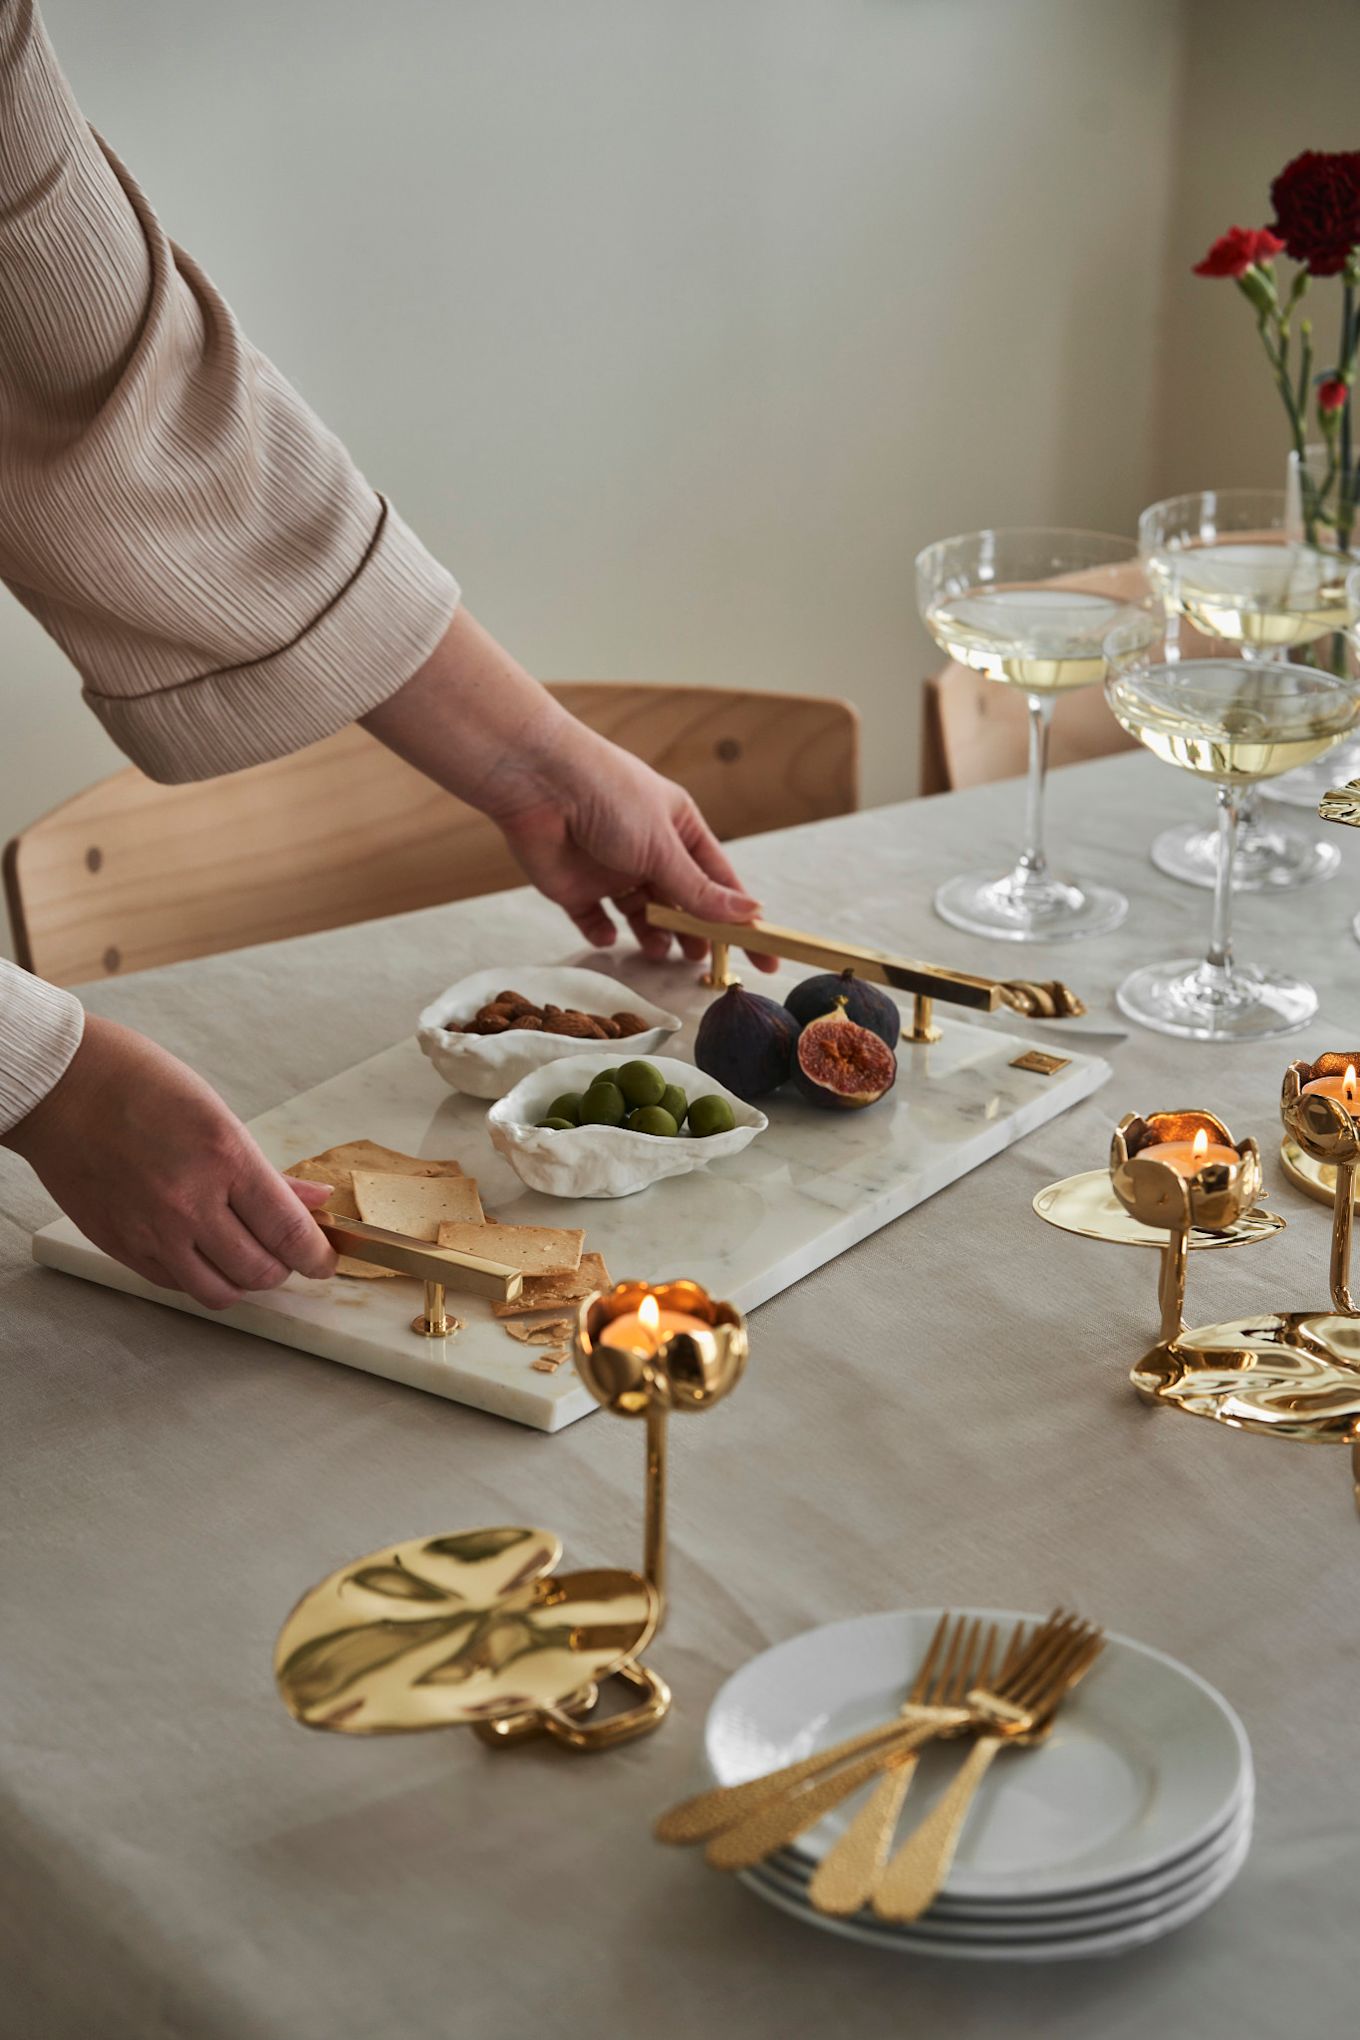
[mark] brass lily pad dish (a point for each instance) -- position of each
(1287, 1374)
(474, 1628)
(1086, 1204)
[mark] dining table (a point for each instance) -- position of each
(941, 1416)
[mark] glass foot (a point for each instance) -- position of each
(1023, 908)
(1305, 786)
(1267, 859)
(1199, 1004)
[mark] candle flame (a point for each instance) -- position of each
(649, 1315)
(1348, 1083)
(1199, 1147)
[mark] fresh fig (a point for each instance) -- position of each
(746, 1042)
(841, 1065)
(867, 1005)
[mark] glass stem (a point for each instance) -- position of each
(1033, 865)
(1218, 964)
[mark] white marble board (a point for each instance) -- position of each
(814, 1184)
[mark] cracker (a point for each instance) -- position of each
(416, 1205)
(533, 1249)
(550, 1333)
(544, 1290)
(336, 1167)
(548, 1363)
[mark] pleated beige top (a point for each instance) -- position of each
(206, 553)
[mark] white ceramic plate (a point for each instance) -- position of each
(1146, 1762)
(608, 1161)
(1064, 1947)
(1141, 1898)
(489, 1065)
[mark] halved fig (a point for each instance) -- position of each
(840, 1065)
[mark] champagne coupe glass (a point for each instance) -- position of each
(1234, 722)
(1032, 610)
(1227, 563)
(1312, 504)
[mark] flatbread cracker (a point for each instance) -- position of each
(548, 1363)
(551, 1333)
(336, 1167)
(543, 1291)
(416, 1205)
(534, 1249)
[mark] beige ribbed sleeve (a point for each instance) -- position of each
(203, 549)
(40, 1030)
(206, 553)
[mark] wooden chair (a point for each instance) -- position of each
(974, 731)
(130, 874)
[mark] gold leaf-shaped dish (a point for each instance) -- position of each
(439, 1631)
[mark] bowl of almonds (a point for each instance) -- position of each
(488, 1032)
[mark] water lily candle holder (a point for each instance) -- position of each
(1178, 1172)
(477, 1628)
(1320, 1108)
(644, 1350)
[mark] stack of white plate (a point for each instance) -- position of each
(1130, 1820)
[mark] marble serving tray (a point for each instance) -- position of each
(814, 1184)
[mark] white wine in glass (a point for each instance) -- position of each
(1032, 610)
(1234, 723)
(1232, 564)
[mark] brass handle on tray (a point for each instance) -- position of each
(925, 981)
(439, 1268)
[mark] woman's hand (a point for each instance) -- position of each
(615, 831)
(591, 825)
(153, 1168)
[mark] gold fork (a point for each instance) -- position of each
(694, 1820)
(846, 1876)
(1045, 1676)
(790, 1813)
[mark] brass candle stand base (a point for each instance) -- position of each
(477, 1629)
(1288, 1374)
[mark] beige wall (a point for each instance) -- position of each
(677, 326)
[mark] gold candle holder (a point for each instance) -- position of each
(1212, 1198)
(477, 1629)
(1326, 1130)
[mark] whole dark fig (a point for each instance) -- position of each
(841, 1065)
(746, 1042)
(867, 1005)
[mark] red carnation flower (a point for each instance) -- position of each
(1234, 253)
(1317, 209)
(1331, 395)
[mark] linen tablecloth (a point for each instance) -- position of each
(941, 1415)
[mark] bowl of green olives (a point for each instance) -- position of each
(605, 1126)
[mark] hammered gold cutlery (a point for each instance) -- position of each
(1019, 1709)
(928, 1712)
(846, 1876)
(722, 1806)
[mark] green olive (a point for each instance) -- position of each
(559, 1125)
(642, 1083)
(603, 1105)
(567, 1107)
(605, 1077)
(710, 1114)
(653, 1119)
(674, 1101)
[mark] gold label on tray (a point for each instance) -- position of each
(1042, 1065)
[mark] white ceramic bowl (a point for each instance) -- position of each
(608, 1161)
(489, 1065)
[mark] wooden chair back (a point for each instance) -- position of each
(974, 731)
(130, 874)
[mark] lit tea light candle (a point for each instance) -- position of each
(1344, 1088)
(645, 1329)
(1188, 1157)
